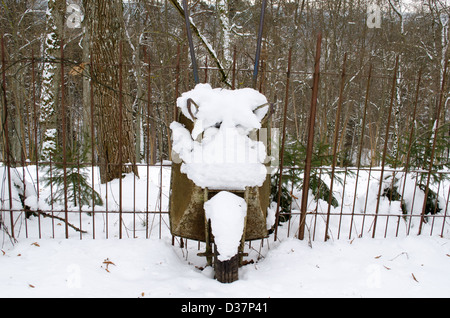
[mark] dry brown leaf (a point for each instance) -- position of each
(414, 277)
(388, 268)
(36, 244)
(107, 262)
(377, 257)
(3, 252)
(32, 286)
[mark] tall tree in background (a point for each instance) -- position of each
(223, 13)
(51, 76)
(113, 117)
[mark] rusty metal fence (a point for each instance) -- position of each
(371, 198)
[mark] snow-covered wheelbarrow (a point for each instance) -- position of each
(220, 187)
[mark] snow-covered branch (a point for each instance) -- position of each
(205, 43)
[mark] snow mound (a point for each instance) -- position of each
(227, 213)
(225, 157)
(230, 108)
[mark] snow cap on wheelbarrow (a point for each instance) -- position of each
(208, 107)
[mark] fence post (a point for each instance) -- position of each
(336, 134)
(363, 127)
(309, 150)
(233, 83)
(63, 121)
(149, 139)
(120, 133)
(386, 138)
(91, 92)
(177, 81)
(410, 142)
(445, 213)
(433, 150)
(35, 123)
(6, 135)
(283, 143)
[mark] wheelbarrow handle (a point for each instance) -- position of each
(190, 101)
(269, 113)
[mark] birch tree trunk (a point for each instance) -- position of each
(51, 77)
(113, 116)
(223, 12)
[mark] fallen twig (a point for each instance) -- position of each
(46, 215)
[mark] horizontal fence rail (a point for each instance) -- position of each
(144, 212)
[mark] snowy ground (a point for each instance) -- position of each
(403, 266)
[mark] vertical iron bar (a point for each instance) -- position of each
(283, 142)
(24, 186)
(149, 138)
(206, 69)
(366, 199)
(160, 187)
(120, 133)
(445, 213)
(177, 83)
(316, 209)
(106, 211)
(290, 209)
(259, 42)
(33, 80)
(233, 83)
(413, 202)
(386, 226)
(134, 206)
(191, 43)
(342, 203)
(91, 86)
(433, 150)
(410, 143)
(35, 119)
(51, 199)
(6, 133)
(336, 135)
(386, 138)
(435, 208)
(79, 198)
(63, 115)
(363, 128)
(309, 150)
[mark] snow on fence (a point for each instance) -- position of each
(64, 197)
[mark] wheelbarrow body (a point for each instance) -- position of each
(186, 212)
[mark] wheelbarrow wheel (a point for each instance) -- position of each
(226, 271)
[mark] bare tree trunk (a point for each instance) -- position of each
(113, 116)
(49, 103)
(87, 91)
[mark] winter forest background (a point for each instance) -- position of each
(154, 30)
(125, 64)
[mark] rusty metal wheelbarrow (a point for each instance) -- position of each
(187, 208)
